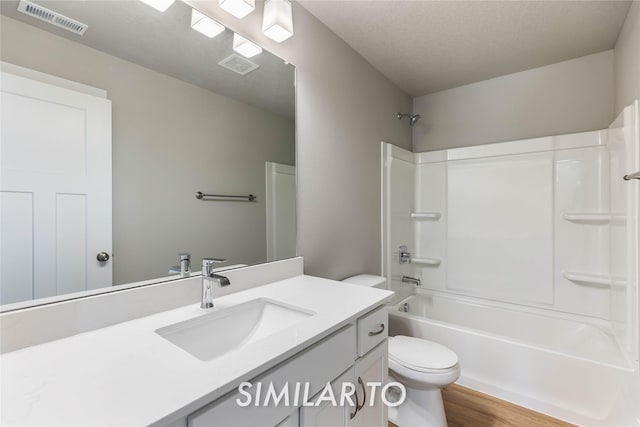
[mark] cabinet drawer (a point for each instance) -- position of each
(372, 329)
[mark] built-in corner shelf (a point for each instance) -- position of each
(592, 218)
(425, 216)
(427, 261)
(595, 280)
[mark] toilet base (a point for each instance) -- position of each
(423, 407)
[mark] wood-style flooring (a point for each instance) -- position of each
(468, 408)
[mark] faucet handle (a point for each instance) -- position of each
(404, 255)
(208, 263)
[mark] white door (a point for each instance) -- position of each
(55, 190)
(281, 211)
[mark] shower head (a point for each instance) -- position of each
(413, 119)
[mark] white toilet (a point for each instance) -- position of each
(422, 366)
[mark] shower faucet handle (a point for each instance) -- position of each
(404, 255)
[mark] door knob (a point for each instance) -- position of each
(103, 257)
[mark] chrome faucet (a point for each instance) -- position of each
(209, 278)
(409, 279)
(185, 265)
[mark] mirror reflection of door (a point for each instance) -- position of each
(281, 210)
(182, 122)
(55, 190)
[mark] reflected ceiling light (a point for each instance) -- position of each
(160, 5)
(238, 8)
(277, 21)
(244, 47)
(205, 25)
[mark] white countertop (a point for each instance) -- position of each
(127, 374)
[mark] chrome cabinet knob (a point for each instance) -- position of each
(103, 257)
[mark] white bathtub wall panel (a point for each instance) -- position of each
(525, 146)
(582, 247)
(385, 208)
(431, 235)
(623, 146)
(401, 172)
(579, 140)
(618, 202)
(431, 156)
(500, 228)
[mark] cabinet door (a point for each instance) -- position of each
(293, 420)
(326, 414)
(372, 368)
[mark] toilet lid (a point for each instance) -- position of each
(420, 354)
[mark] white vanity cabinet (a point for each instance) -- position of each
(369, 368)
(314, 366)
(356, 354)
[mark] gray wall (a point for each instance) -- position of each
(627, 60)
(344, 109)
(570, 96)
(170, 139)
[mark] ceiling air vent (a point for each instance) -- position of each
(238, 64)
(54, 18)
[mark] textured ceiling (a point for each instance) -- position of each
(166, 43)
(428, 46)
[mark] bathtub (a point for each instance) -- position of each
(569, 369)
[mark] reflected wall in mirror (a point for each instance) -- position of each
(175, 122)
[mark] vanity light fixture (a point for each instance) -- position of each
(244, 47)
(205, 25)
(160, 5)
(238, 8)
(277, 20)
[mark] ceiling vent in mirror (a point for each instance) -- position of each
(238, 64)
(54, 18)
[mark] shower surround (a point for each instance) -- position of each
(527, 253)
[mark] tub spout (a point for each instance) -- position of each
(409, 279)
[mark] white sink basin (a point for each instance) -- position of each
(222, 331)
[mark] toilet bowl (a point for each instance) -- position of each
(423, 367)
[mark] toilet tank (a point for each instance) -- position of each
(370, 280)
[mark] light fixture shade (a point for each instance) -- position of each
(205, 25)
(160, 5)
(238, 8)
(277, 21)
(244, 47)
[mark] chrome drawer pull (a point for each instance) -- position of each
(353, 415)
(371, 334)
(364, 390)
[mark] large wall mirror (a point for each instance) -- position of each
(179, 112)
